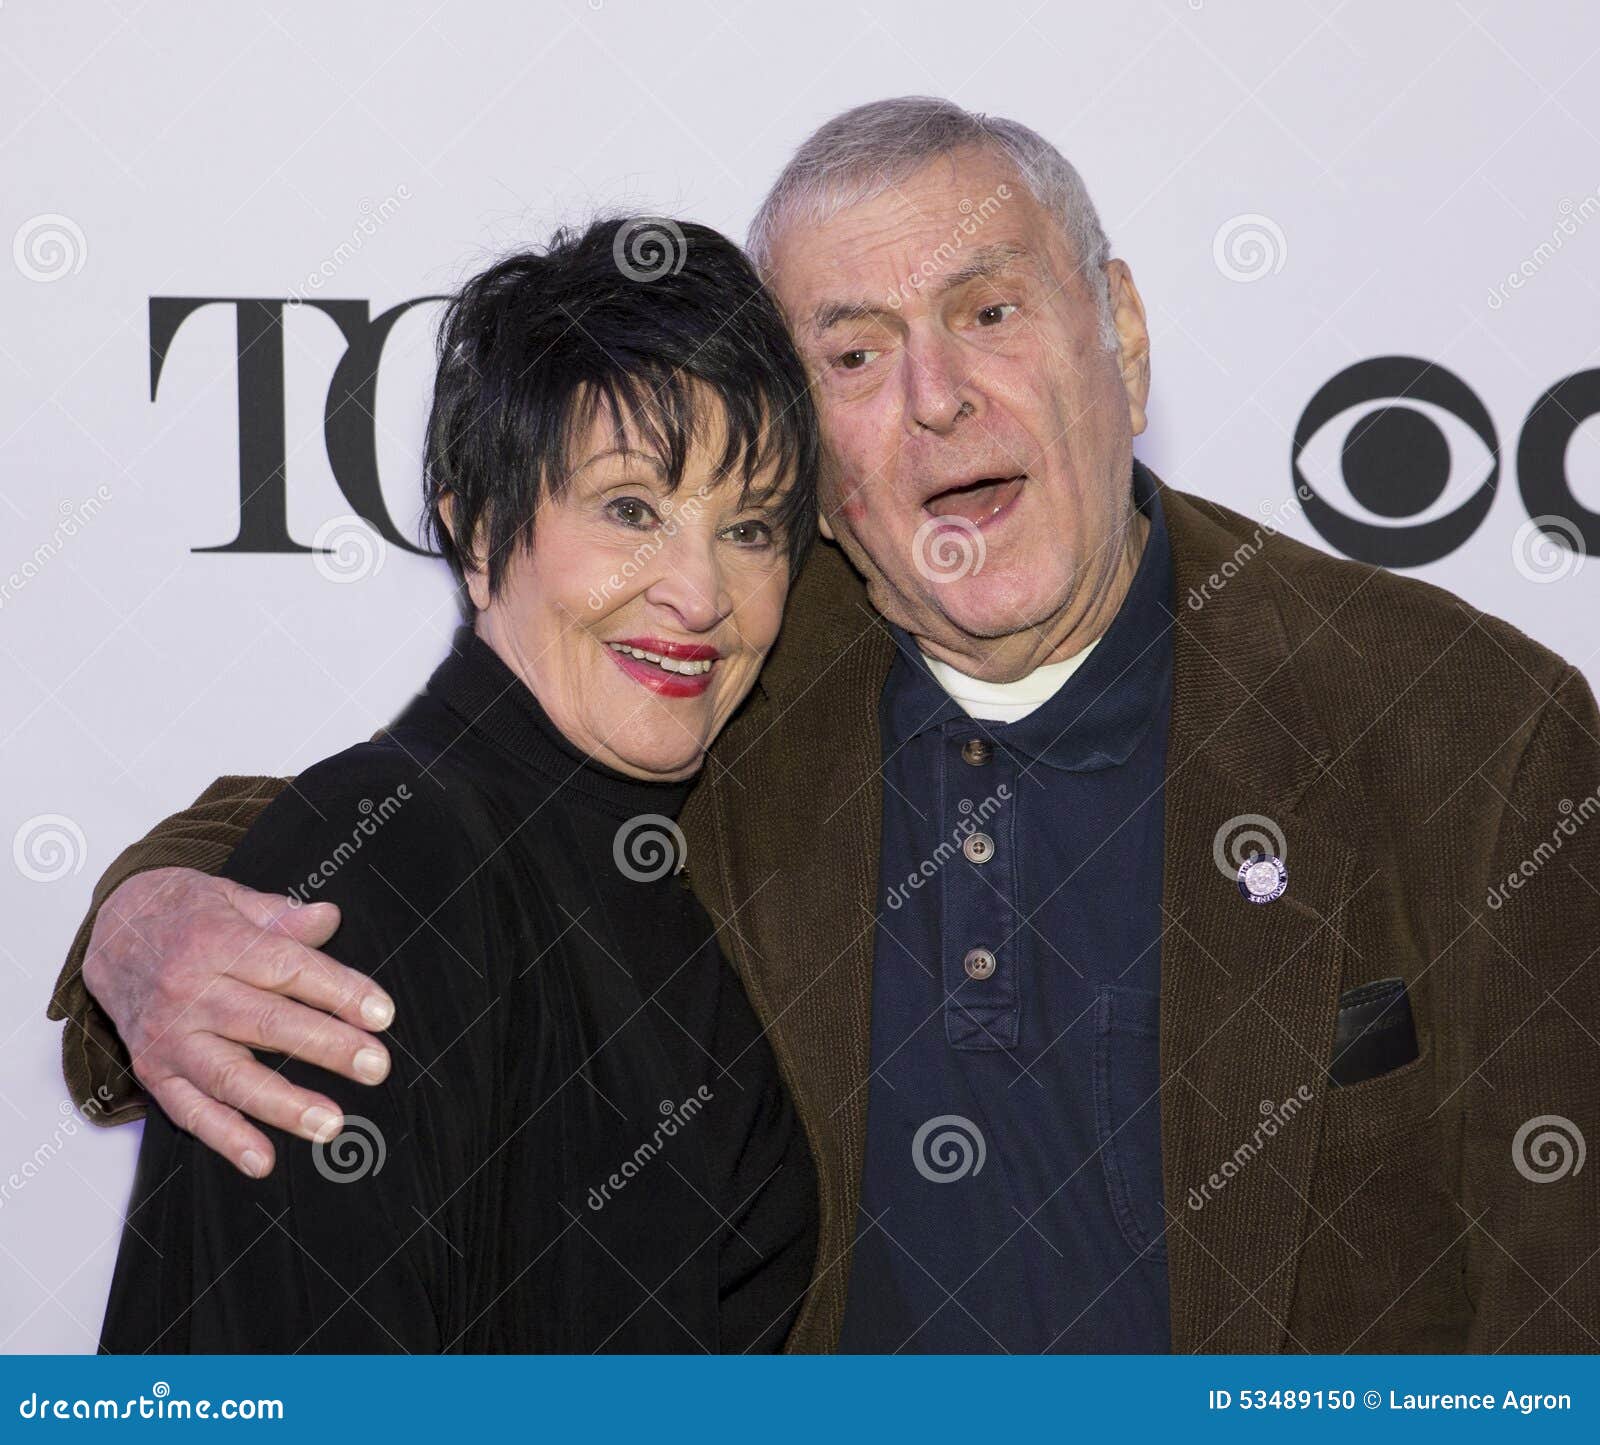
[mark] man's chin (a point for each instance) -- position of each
(992, 608)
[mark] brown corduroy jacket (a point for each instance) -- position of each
(1434, 776)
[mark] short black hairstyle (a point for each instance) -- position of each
(646, 318)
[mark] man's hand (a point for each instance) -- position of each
(196, 971)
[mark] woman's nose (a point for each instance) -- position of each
(690, 583)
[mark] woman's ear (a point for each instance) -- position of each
(476, 575)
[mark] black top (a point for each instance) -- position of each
(583, 1144)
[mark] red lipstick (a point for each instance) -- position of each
(662, 671)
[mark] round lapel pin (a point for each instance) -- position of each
(1263, 879)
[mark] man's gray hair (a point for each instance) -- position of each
(861, 153)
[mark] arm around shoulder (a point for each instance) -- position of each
(94, 1060)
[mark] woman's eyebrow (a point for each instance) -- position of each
(630, 457)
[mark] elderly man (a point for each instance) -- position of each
(1155, 918)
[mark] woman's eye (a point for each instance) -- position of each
(854, 360)
(749, 534)
(632, 512)
(995, 314)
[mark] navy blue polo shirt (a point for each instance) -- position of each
(1011, 1198)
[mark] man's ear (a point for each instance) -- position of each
(477, 576)
(1133, 340)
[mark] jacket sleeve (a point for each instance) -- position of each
(1532, 1104)
(93, 1059)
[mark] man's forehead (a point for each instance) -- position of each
(869, 249)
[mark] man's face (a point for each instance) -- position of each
(978, 434)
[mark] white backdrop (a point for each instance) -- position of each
(1298, 188)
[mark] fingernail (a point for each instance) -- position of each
(372, 1065)
(376, 1011)
(321, 1124)
(254, 1165)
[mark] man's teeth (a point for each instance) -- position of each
(670, 664)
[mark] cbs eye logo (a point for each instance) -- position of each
(1396, 461)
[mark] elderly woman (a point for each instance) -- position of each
(584, 1143)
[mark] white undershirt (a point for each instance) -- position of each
(1006, 701)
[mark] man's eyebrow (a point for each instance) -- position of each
(979, 265)
(835, 313)
(982, 264)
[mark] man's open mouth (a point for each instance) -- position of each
(978, 501)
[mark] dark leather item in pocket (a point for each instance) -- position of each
(1376, 1033)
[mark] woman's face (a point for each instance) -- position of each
(639, 618)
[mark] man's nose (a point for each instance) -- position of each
(938, 386)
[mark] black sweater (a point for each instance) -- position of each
(583, 1144)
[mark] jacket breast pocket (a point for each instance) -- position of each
(1381, 1269)
(1127, 1104)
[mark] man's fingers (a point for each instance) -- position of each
(311, 923)
(264, 1020)
(215, 1125)
(287, 966)
(232, 1074)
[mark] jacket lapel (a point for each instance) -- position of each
(1249, 992)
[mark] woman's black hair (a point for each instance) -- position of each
(651, 321)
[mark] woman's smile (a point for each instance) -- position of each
(667, 668)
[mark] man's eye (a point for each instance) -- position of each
(854, 360)
(995, 314)
(749, 534)
(632, 512)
